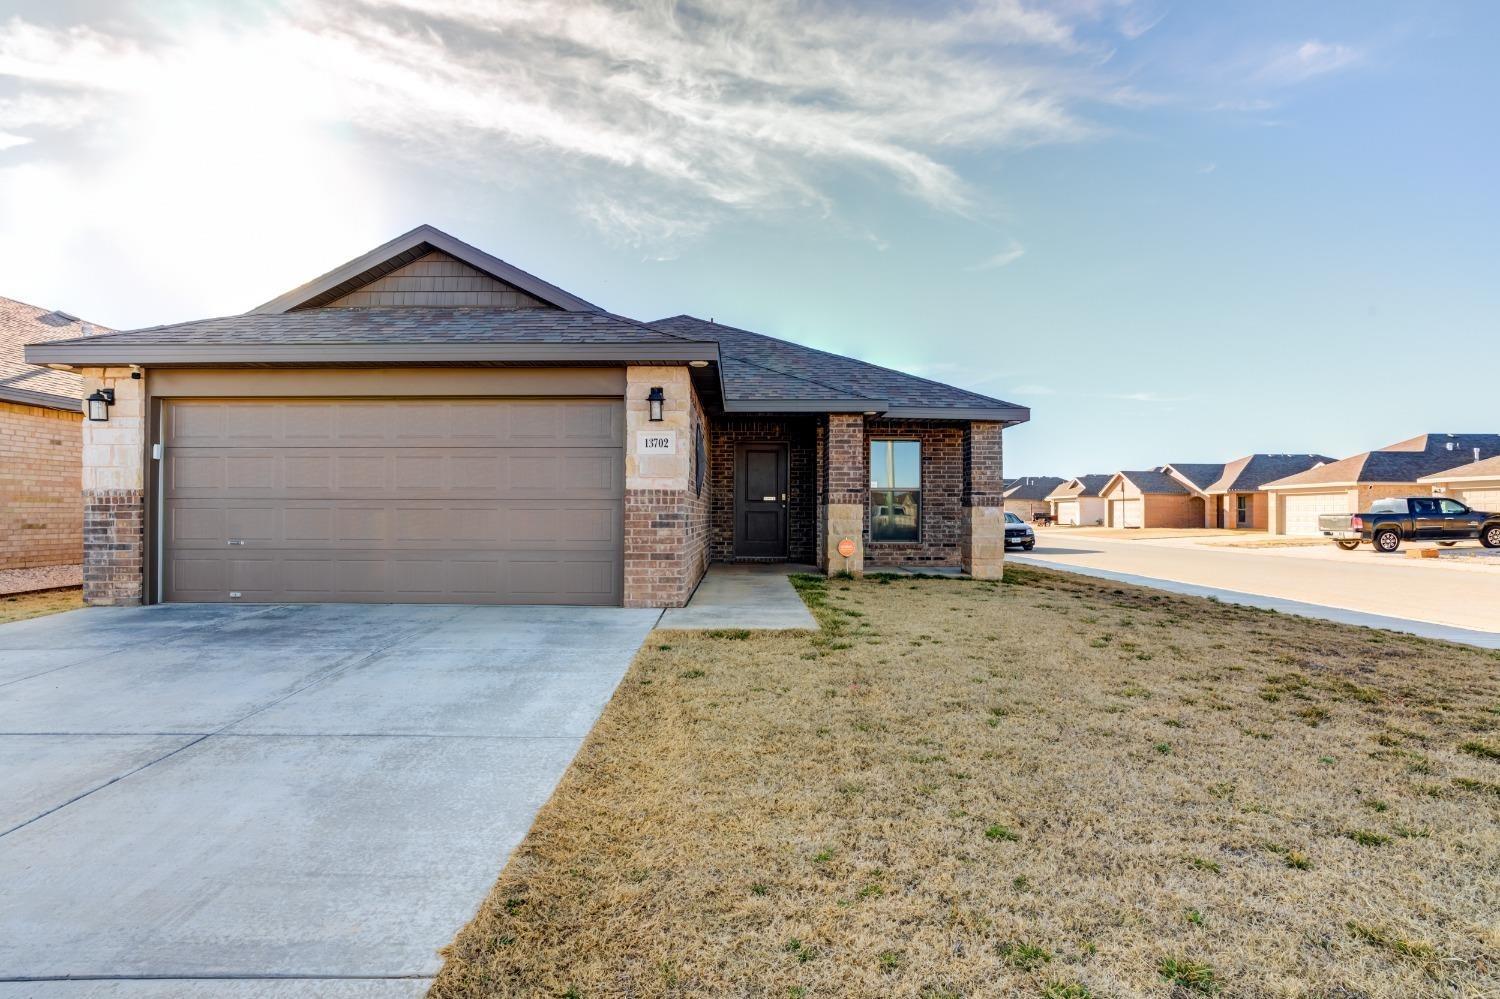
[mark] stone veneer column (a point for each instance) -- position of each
(114, 509)
(983, 544)
(659, 571)
(841, 510)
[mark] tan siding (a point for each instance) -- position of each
(41, 500)
(1173, 511)
(439, 281)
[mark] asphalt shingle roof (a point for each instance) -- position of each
(1036, 487)
(21, 324)
(845, 376)
(1253, 471)
(1081, 487)
(1199, 475)
(1154, 480)
(1406, 461)
(1485, 468)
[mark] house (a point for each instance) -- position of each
(1152, 498)
(1027, 497)
(1295, 502)
(1476, 485)
(41, 508)
(1196, 478)
(1235, 499)
(1077, 502)
(428, 423)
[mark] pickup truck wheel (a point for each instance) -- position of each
(1490, 537)
(1348, 546)
(1387, 540)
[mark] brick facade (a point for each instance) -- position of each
(982, 546)
(801, 436)
(942, 522)
(666, 519)
(844, 492)
(41, 503)
(114, 522)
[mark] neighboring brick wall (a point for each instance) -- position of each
(41, 506)
(982, 524)
(800, 433)
(843, 491)
(113, 492)
(943, 524)
(1027, 509)
(114, 544)
(1164, 510)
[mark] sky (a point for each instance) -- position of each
(1176, 231)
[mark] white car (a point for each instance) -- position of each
(1018, 533)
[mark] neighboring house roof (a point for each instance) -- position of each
(766, 363)
(1081, 487)
(1406, 461)
(1036, 487)
(1255, 470)
(30, 384)
(527, 321)
(1485, 468)
(1152, 481)
(1199, 475)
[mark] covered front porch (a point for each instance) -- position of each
(851, 492)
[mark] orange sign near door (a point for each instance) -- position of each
(846, 548)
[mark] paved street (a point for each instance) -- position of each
(1392, 586)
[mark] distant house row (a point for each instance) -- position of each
(1278, 493)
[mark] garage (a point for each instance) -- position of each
(1067, 512)
(1487, 500)
(1304, 509)
(412, 500)
(1125, 512)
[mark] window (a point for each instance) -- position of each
(1011, 518)
(1242, 509)
(1424, 508)
(1451, 506)
(895, 490)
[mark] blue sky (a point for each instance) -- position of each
(1178, 232)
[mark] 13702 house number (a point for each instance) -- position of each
(656, 442)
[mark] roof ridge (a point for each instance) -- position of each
(767, 367)
(842, 357)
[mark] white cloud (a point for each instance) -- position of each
(1295, 63)
(1034, 390)
(10, 141)
(1151, 397)
(1013, 252)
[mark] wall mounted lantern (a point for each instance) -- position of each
(656, 399)
(99, 404)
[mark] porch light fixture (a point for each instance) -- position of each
(99, 404)
(697, 364)
(656, 399)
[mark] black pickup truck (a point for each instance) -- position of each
(1418, 518)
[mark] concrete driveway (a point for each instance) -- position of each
(276, 800)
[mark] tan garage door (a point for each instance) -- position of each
(1125, 513)
(1067, 512)
(1304, 509)
(1487, 500)
(489, 501)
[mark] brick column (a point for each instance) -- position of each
(844, 491)
(666, 520)
(983, 538)
(114, 498)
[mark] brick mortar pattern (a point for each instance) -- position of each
(802, 480)
(944, 519)
(667, 531)
(114, 523)
(41, 505)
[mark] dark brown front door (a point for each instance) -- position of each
(760, 484)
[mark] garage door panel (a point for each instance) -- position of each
(1486, 500)
(1303, 511)
(407, 422)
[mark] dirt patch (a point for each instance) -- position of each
(18, 607)
(1050, 787)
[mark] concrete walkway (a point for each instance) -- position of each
(309, 800)
(1463, 636)
(744, 596)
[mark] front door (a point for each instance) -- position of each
(760, 495)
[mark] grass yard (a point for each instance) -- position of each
(1052, 787)
(20, 606)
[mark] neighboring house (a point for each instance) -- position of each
(41, 507)
(428, 423)
(1197, 477)
(1152, 498)
(1477, 484)
(1235, 499)
(1077, 503)
(1027, 497)
(1295, 502)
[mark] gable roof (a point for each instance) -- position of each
(1255, 470)
(1150, 480)
(766, 364)
(1199, 475)
(1406, 461)
(1081, 487)
(29, 384)
(405, 249)
(1484, 468)
(1036, 487)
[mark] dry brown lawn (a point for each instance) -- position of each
(20, 606)
(1052, 787)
